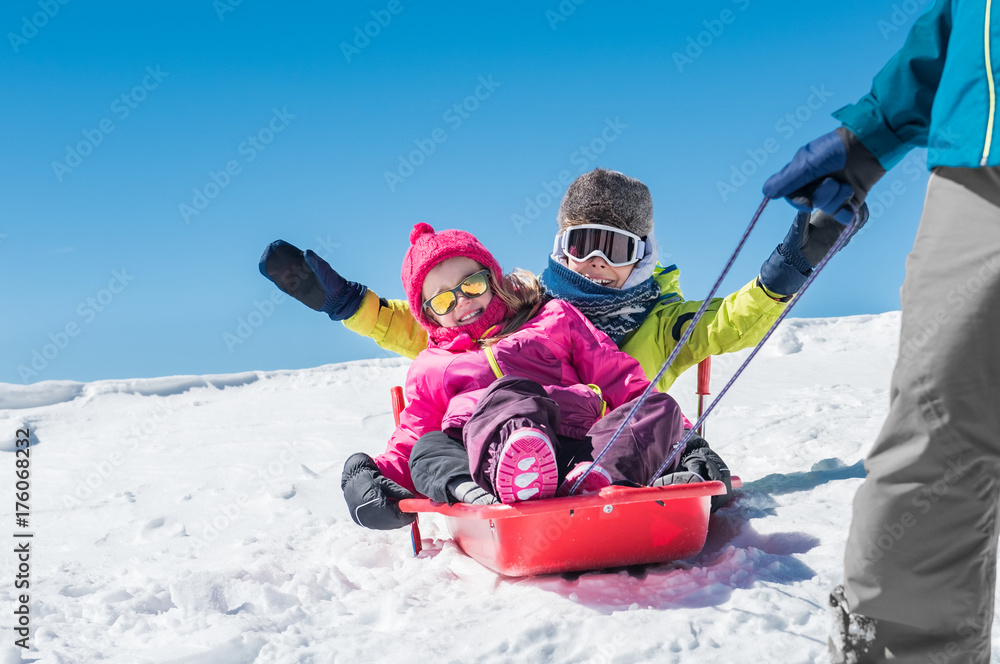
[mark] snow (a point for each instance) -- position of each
(199, 520)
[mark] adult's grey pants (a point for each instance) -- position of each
(922, 552)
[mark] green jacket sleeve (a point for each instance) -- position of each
(732, 323)
(390, 324)
(896, 115)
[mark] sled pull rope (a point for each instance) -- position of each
(845, 236)
(675, 352)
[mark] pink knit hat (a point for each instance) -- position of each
(426, 251)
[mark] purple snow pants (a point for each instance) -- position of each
(512, 403)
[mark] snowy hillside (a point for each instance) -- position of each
(199, 520)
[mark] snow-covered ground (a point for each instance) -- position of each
(199, 520)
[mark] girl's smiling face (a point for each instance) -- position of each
(446, 275)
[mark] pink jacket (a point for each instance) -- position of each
(558, 348)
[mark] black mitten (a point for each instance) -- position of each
(372, 498)
(699, 458)
(310, 280)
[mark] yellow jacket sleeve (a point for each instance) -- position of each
(732, 323)
(390, 325)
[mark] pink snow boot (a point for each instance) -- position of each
(595, 481)
(527, 467)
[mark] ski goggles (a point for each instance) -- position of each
(472, 287)
(617, 247)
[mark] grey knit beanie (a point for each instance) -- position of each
(609, 198)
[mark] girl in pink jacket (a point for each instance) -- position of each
(514, 394)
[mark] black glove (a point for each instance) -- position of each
(832, 173)
(699, 458)
(808, 240)
(310, 280)
(824, 231)
(371, 497)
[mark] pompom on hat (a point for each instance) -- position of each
(428, 249)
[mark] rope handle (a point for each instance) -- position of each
(841, 241)
(844, 238)
(680, 344)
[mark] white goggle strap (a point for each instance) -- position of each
(558, 250)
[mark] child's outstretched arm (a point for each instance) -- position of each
(389, 324)
(732, 323)
(310, 280)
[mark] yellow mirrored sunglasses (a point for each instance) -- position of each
(473, 286)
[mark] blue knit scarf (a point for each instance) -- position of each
(614, 311)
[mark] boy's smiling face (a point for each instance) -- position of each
(597, 270)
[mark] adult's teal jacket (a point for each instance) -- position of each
(939, 91)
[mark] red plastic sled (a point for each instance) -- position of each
(615, 527)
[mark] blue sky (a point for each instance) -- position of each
(151, 151)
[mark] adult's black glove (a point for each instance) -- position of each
(699, 458)
(833, 173)
(310, 280)
(372, 498)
